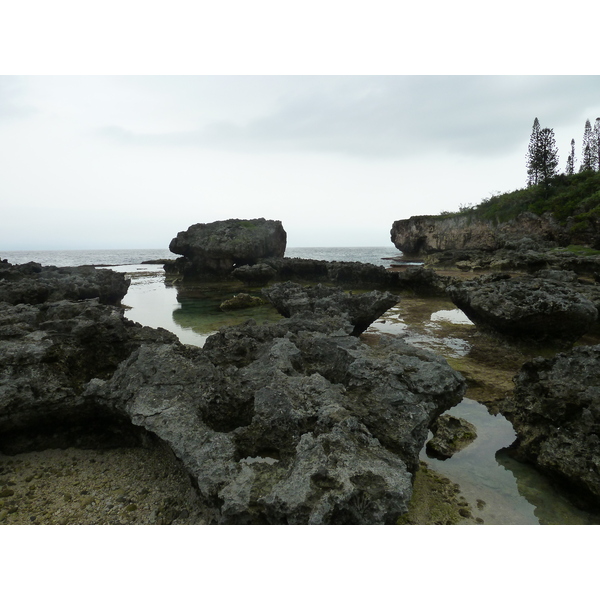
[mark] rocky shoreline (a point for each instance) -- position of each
(305, 420)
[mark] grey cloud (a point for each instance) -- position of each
(11, 104)
(397, 115)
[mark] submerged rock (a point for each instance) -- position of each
(216, 249)
(529, 308)
(241, 301)
(555, 411)
(450, 435)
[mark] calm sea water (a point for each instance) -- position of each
(73, 258)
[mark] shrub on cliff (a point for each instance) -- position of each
(574, 196)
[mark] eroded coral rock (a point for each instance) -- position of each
(450, 435)
(290, 422)
(555, 411)
(216, 249)
(528, 308)
(31, 283)
(292, 298)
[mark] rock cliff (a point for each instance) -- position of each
(428, 234)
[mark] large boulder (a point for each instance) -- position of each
(31, 283)
(216, 249)
(555, 411)
(293, 422)
(362, 309)
(534, 309)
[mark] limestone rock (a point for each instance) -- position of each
(528, 308)
(217, 248)
(450, 435)
(293, 422)
(427, 234)
(555, 411)
(241, 301)
(31, 283)
(48, 353)
(255, 275)
(292, 298)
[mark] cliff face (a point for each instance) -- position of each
(425, 235)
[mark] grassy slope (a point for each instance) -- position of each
(565, 196)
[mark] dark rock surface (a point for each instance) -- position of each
(289, 423)
(241, 301)
(348, 273)
(48, 353)
(31, 283)
(528, 308)
(555, 411)
(528, 258)
(255, 275)
(216, 249)
(450, 435)
(362, 309)
(423, 281)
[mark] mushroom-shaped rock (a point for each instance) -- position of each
(218, 248)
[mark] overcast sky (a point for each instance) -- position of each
(129, 161)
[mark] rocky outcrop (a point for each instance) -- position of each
(289, 422)
(361, 309)
(216, 249)
(555, 411)
(421, 235)
(31, 283)
(294, 422)
(533, 309)
(48, 353)
(255, 275)
(528, 258)
(450, 435)
(345, 273)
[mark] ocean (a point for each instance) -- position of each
(383, 255)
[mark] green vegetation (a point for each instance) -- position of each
(582, 250)
(564, 196)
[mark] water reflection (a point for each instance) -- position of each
(422, 329)
(191, 313)
(501, 490)
(551, 508)
(204, 317)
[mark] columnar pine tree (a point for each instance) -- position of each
(547, 158)
(532, 154)
(596, 144)
(587, 154)
(571, 160)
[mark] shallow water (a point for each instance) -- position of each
(500, 489)
(192, 318)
